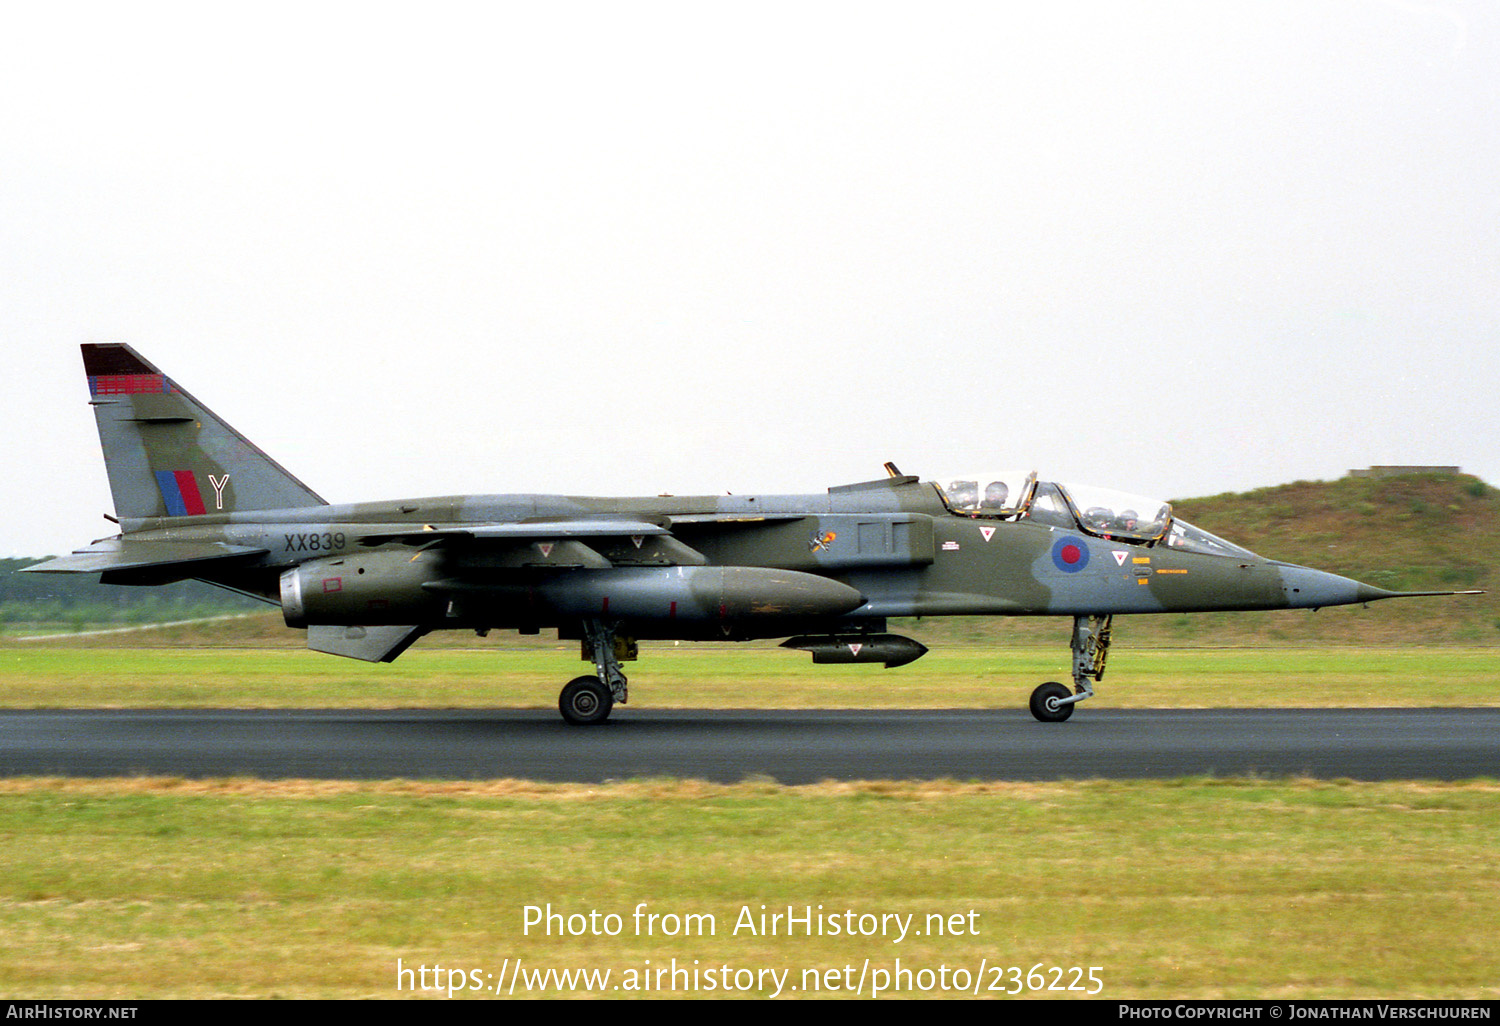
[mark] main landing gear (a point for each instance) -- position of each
(1052, 702)
(588, 700)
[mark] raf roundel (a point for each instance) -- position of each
(1070, 555)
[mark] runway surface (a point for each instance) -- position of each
(793, 747)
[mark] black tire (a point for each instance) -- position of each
(1043, 701)
(585, 702)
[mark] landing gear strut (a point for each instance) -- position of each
(589, 700)
(1051, 702)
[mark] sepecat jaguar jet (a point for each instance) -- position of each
(195, 499)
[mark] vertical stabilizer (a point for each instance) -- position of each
(168, 455)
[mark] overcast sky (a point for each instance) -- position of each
(631, 248)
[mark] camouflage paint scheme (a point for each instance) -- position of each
(195, 499)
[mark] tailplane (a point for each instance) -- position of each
(168, 455)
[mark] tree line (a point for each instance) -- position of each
(77, 601)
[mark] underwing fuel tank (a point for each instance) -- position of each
(891, 649)
(684, 594)
(384, 588)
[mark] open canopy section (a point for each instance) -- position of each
(1102, 512)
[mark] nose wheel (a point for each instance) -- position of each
(1053, 702)
(1046, 702)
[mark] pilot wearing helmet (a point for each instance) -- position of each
(963, 494)
(996, 493)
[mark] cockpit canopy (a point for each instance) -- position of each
(1102, 512)
(997, 495)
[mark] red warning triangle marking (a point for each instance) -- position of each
(854, 649)
(637, 539)
(988, 532)
(1119, 556)
(546, 548)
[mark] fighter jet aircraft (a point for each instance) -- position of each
(195, 499)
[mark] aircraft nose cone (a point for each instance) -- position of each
(1306, 588)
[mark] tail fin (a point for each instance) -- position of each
(168, 455)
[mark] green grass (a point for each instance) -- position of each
(135, 889)
(1192, 889)
(743, 677)
(132, 889)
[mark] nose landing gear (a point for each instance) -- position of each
(1052, 702)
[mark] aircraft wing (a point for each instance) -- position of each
(115, 554)
(735, 518)
(523, 532)
(560, 530)
(555, 545)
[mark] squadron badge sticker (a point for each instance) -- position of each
(821, 541)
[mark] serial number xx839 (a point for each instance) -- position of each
(327, 541)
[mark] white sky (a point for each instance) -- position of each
(630, 248)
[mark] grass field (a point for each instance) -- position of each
(743, 677)
(1199, 888)
(1181, 889)
(1193, 889)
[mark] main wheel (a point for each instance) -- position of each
(1044, 703)
(584, 701)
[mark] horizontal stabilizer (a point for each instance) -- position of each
(114, 554)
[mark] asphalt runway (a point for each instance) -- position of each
(792, 747)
